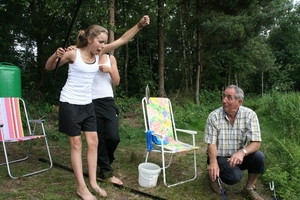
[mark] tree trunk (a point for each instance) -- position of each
(161, 53)
(111, 35)
(126, 69)
(184, 59)
(138, 53)
(197, 88)
(262, 83)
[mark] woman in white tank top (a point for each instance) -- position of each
(76, 112)
(107, 114)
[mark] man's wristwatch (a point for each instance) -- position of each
(244, 150)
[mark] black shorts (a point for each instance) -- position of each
(76, 118)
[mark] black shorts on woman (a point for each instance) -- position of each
(76, 118)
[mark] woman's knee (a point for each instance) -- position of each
(76, 143)
(92, 139)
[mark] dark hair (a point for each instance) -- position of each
(90, 33)
(239, 93)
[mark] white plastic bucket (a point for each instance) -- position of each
(148, 174)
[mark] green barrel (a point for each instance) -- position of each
(10, 80)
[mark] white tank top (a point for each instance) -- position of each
(102, 85)
(77, 89)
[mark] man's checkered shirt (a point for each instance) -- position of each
(228, 137)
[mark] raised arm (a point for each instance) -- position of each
(127, 35)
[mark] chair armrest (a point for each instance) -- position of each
(192, 133)
(187, 131)
(39, 121)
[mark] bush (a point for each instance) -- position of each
(280, 114)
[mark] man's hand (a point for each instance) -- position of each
(236, 158)
(213, 170)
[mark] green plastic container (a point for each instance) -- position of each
(10, 80)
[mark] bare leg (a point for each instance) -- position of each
(251, 180)
(76, 159)
(92, 144)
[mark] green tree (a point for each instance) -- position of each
(202, 44)
(262, 63)
(228, 28)
(284, 41)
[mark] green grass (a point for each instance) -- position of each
(58, 183)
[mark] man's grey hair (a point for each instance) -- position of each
(239, 93)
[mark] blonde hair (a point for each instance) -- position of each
(90, 33)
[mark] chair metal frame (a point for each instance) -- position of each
(163, 148)
(21, 136)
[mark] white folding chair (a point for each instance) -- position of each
(11, 131)
(159, 119)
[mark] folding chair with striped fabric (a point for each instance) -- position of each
(12, 131)
(159, 120)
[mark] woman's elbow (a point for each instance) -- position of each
(47, 67)
(116, 83)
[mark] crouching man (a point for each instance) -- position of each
(233, 137)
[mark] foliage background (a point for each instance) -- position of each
(210, 44)
(206, 44)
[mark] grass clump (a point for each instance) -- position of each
(280, 119)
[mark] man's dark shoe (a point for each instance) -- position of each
(214, 186)
(250, 192)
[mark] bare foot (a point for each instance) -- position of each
(85, 194)
(99, 190)
(115, 180)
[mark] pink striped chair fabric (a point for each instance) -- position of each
(12, 113)
(10, 117)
